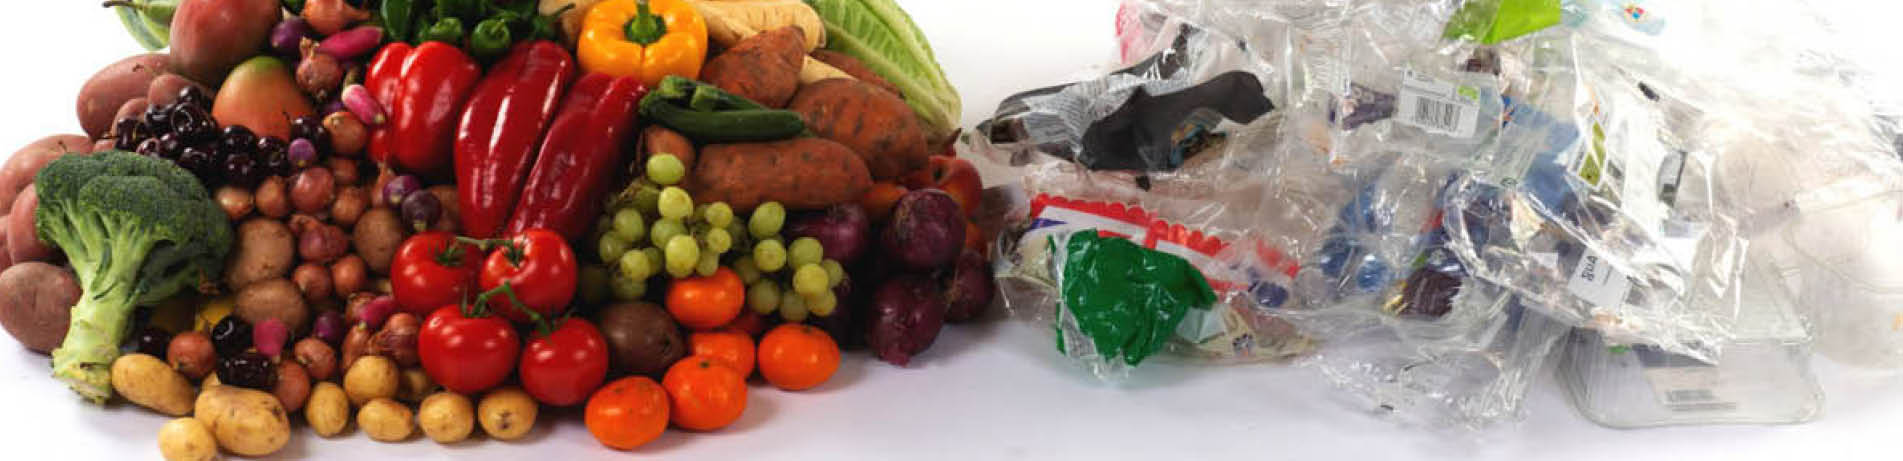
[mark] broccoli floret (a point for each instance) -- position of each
(136, 230)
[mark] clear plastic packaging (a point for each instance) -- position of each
(1761, 377)
(1616, 224)
(1184, 88)
(1471, 381)
(1201, 204)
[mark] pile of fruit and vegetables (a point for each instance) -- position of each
(427, 217)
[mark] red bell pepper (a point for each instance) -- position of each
(580, 156)
(423, 89)
(501, 127)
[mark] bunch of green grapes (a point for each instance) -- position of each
(656, 229)
(795, 279)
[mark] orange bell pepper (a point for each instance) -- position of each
(644, 39)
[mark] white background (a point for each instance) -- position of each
(992, 391)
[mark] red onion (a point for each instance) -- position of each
(400, 188)
(302, 153)
(286, 36)
(329, 327)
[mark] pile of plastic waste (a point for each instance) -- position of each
(1429, 201)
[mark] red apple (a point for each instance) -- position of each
(953, 175)
(880, 199)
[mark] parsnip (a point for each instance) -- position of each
(813, 70)
(729, 22)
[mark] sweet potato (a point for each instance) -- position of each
(112, 86)
(803, 174)
(657, 139)
(874, 123)
(764, 68)
(19, 170)
(851, 66)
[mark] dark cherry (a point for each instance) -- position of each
(200, 162)
(248, 369)
(192, 124)
(158, 117)
(152, 341)
(192, 95)
(170, 146)
(243, 171)
(236, 140)
(150, 147)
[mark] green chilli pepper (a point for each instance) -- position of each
(490, 39)
(446, 30)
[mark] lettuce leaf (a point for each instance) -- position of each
(883, 36)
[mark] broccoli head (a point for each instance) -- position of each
(136, 230)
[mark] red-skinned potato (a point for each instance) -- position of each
(23, 243)
(19, 169)
(261, 95)
(115, 84)
(35, 304)
(211, 36)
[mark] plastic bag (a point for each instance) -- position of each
(1617, 223)
(1472, 381)
(1186, 89)
(1379, 78)
(1762, 376)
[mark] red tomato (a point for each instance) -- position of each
(432, 270)
(539, 267)
(566, 366)
(466, 354)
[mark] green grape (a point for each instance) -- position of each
(718, 241)
(719, 214)
(682, 255)
(767, 220)
(626, 289)
(675, 203)
(603, 224)
(810, 280)
(763, 296)
(611, 247)
(697, 217)
(748, 272)
(835, 273)
(769, 255)
(592, 284)
(823, 304)
(647, 200)
(805, 251)
(792, 307)
(629, 226)
(665, 230)
(666, 169)
(657, 259)
(709, 262)
(635, 265)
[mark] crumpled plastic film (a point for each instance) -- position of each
(1121, 302)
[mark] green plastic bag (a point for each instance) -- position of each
(1125, 299)
(1494, 21)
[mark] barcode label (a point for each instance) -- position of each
(1437, 107)
(1683, 396)
(1682, 384)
